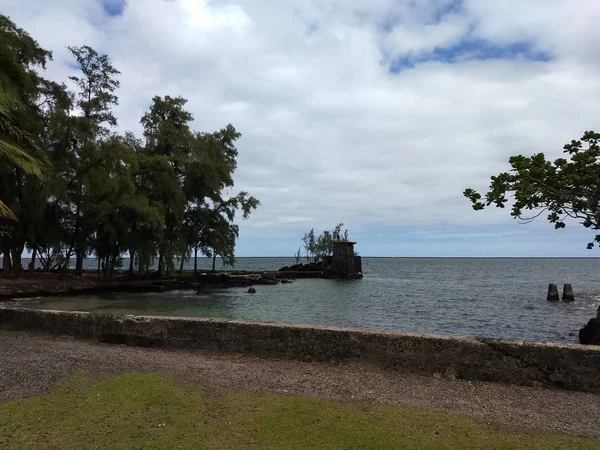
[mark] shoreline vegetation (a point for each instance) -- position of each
(74, 185)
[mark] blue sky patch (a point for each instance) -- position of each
(469, 49)
(113, 7)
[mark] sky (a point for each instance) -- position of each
(374, 113)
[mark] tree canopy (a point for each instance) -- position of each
(563, 189)
(317, 247)
(157, 197)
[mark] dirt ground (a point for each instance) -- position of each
(31, 364)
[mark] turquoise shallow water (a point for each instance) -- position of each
(503, 298)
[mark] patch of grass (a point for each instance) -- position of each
(150, 411)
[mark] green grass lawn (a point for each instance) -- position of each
(149, 411)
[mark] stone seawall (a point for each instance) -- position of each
(527, 363)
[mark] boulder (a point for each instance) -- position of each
(251, 290)
(590, 334)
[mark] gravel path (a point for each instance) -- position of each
(31, 363)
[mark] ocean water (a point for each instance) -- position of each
(501, 298)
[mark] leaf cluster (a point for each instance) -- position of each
(563, 189)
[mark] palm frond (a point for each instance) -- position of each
(5, 212)
(16, 145)
(27, 161)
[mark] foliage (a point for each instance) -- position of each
(317, 247)
(146, 410)
(154, 197)
(565, 188)
(16, 146)
(298, 255)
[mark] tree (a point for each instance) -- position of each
(317, 247)
(109, 194)
(298, 255)
(95, 98)
(215, 232)
(169, 142)
(23, 163)
(211, 212)
(13, 141)
(564, 189)
(309, 245)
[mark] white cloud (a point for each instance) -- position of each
(329, 134)
(415, 38)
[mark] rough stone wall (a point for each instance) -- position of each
(527, 363)
(358, 264)
(343, 258)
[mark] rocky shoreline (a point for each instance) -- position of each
(590, 333)
(68, 284)
(51, 285)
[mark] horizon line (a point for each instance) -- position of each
(387, 257)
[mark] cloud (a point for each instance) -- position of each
(377, 114)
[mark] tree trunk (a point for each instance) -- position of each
(214, 261)
(6, 260)
(181, 265)
(107, 262)
(161, 265)
(79, 262)
(32, 263)
(63, 267)
(131, 262)
(113, 261)
(16, 262)
(99, 265)
(195, 260)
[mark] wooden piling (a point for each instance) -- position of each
(552, 293)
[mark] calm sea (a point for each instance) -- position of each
(502, 298)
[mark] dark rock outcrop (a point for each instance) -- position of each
(590, 334)
(310, 267)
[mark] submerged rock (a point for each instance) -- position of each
(251, 290)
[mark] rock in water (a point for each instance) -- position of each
(552, 293)
(590, 334)
(568, 293)
(251, 291)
